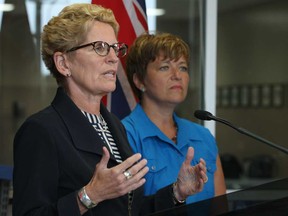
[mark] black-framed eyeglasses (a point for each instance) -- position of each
(102, 48)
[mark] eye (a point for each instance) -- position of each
(122, 50)
(100, 47)
(164, 68)
(184, 68)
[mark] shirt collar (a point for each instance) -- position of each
(147, 128)
(187, 130)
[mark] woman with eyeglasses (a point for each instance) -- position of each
(73, 157)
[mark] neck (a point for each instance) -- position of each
(86, 102)
(163, 119)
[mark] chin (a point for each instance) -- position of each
(178, 101)
(112, 89)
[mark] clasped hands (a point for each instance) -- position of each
(109, 183)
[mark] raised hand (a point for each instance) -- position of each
(191, 179)
(109, 183)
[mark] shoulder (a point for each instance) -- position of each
(135, 118)
(38, 131)
(195, 131)
(192, 126)
(43, 116)
(40, 121)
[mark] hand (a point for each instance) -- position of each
(109, 183)
(191, 179)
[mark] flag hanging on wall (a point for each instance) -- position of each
(131, 16)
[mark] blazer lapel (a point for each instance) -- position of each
(118, 131)
(84, 136)
(81, 131)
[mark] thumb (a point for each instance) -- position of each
(104, 160)
(189, 156)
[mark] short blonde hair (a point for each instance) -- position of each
(70, 28)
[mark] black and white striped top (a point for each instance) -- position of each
(100, 125)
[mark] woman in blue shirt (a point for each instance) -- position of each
(158, 71)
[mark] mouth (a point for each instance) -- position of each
(110, 74)
(177, 87)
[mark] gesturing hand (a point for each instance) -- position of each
(109, 183)
(190, 179)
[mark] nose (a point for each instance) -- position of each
(112, 57)
(176, 74)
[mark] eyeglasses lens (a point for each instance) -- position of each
(103, 48)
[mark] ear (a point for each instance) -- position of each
(60, 61)
(139, 84)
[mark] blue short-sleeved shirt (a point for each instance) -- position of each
(165, 157)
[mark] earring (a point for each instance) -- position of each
(143, 89)
(68, 74)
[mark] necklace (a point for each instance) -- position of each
(174, 138)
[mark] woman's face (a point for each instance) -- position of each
(93, 74)
(166, 81)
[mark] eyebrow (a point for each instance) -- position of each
(168, 60)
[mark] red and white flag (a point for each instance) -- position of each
(131, 16)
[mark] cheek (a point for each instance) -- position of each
(89, 70)
(77, 67)
(158, 85)
(186, 79)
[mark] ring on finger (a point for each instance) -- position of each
(127, 174)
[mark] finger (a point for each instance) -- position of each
(139, 170)
(129, 162)
(138, 179)
(137, 184)
(104, 160)
(135, 170)
(202, 161)
(202, 165)
(202, 177)
(205, 179)
(200, 186)
(202, 173)
(138, 166)
(189, 156)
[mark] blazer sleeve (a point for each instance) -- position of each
(36, 173)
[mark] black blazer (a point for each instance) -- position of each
(55, 153)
